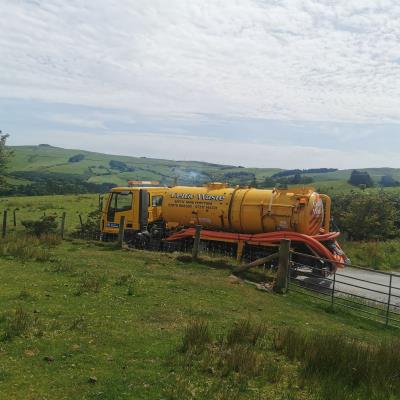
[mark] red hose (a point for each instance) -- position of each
(314, 242)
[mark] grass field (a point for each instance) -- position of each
(33, 207)
(87, 321)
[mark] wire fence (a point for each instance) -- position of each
(372, 294)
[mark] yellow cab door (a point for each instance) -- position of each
(121, 203)
(155, 203)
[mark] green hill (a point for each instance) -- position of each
(32, 162)
(44, 163)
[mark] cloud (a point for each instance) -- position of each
(65, 119)
(291, 83)
(298, 60)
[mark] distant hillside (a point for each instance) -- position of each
(55, 167)
(31, 163)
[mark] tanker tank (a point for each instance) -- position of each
(247, 210)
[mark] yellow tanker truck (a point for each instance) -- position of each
(244, 219)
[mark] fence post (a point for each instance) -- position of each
(281, 283)
(333, 289)
(62, 229)
(195, 250)
(100, 202)
(15, 217)
(4, 224)
(389, 298)
(288, 276)
(121, 231)
(81, 222)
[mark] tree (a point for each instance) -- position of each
(76, 158)
(5, 154)
(269, 182)
(358, 178)
(296, 179)
(253, 183)
(388, 181)
(367, 216)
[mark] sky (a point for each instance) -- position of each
(265, 83)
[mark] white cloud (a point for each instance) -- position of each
(304, 60)
(66, 119)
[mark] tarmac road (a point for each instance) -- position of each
(369, 284)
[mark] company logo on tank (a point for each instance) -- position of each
(318, 208)
(199, 196)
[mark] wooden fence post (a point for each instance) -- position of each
(64, 214)
(195, 250)
(100, 202)
(4, 224)
(81, 221)
(15, 217)
(121, 231)
(281, 283)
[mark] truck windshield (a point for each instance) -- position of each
(119, 202)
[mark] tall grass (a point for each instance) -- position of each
(235, 356)
(245, 332)
(26, 247)
(348, 361)
(323, 366)
(197, 335)
(17, 324)
(90, 282)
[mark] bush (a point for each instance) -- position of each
(44, 226)
(76, 158)
(120, 166)
(367, 216)
(91, 226)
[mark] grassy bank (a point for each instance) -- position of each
(376, 255)
(86, 321)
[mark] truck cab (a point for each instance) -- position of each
(140, 206)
